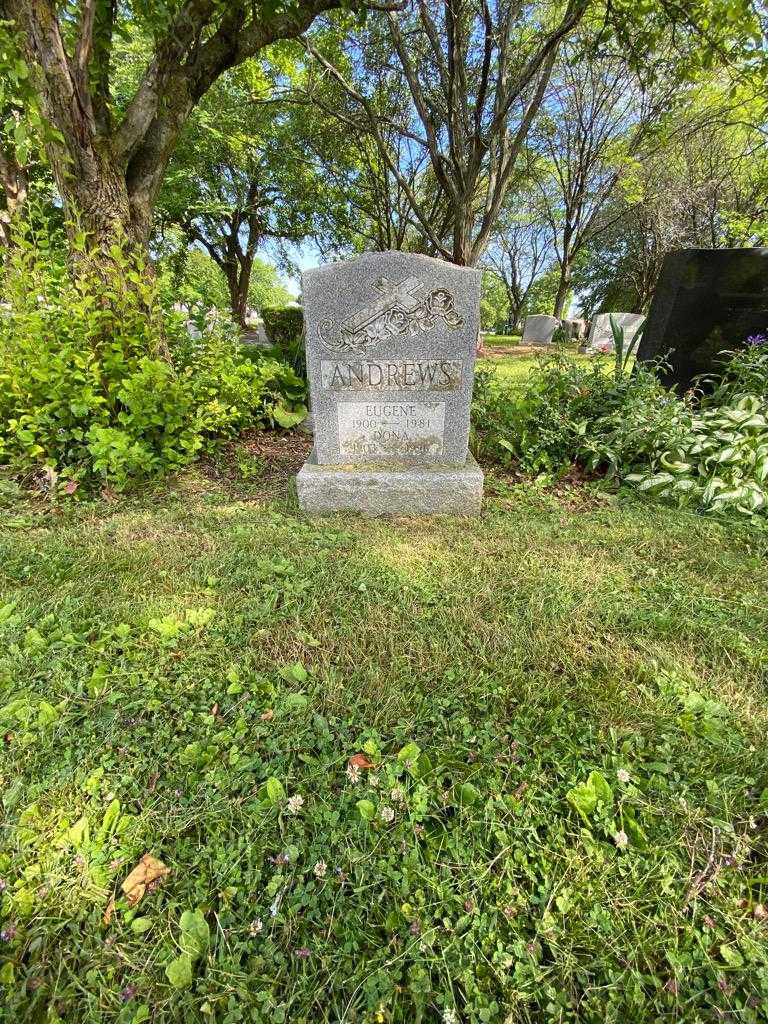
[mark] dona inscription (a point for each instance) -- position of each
(391, 431)
(419, 375)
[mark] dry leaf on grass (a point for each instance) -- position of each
(361, 761)
(148, 872)
(268, 715)
(110, 909)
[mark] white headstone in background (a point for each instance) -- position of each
(601, 335)
(539, 328)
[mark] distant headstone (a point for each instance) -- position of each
(601, 334)
(706, 301)
(391, 341)
(576, 329)
(539, 328)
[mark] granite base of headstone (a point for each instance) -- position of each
(538, 329)
(706, 302)
(390, 340)
(601, 333)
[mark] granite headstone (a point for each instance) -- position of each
(706, 301)
(539, 328)
(391, 340)
(601, 333)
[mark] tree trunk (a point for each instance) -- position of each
(238, 277)
(563, 287)
(101, 206)
(15, 183)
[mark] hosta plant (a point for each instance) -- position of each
(720, 463)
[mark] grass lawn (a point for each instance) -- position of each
(501, 339)
(514, 370)
(559, 813)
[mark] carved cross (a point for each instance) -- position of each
(393, 296)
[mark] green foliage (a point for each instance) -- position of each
(285, 330)
(720, 462)
(98, 383)
(494, 303)
(543, 426)
(541, 297)
(191, 277)
(711, 455)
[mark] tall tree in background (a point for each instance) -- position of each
(109, 157)
(519, 251)
(477, 73)
(242, 177)
(594, 120)
(702, 182)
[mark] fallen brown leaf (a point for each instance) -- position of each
(110, 909)
(268, 715)
(361, 761)
(214, 710)
(148, 872)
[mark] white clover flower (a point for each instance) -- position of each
(320, 869)
(387, 814)
(622, 775)
(449, 1016)
(256, 926)
(295, 803)
(397, 795)
(373, 781)
(353, 774)
(621, 839)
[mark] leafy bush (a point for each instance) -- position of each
(744, 373)
(719, 462)
(543, 426)
(285, 331)
(97, 381)
(712, 456)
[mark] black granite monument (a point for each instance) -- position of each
(706, 301)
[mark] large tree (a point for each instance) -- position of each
(477, 73)
(701, 183)
(243, 177)
(593, 122)
(520, 250)
(109, 153)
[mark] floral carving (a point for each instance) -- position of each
(399, 312)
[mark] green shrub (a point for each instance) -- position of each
(98, 382)
(712, 456)
(542, 427)
(285, 331)
(719, 462)
(744, 373)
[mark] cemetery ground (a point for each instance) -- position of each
(500, 769)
